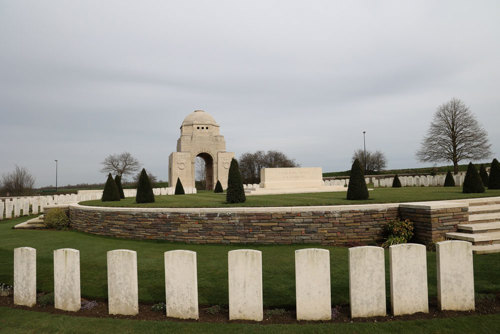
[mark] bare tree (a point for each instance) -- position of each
(18, 182)
(152, 178)
(454, 135)
(120, 164)
(251, 163)
(375, 161)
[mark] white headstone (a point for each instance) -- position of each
(17, 207)
(245, 285)
(123, 297)
(375, 183)
(408, 264)
(1, 209)
(181, 284)
(25, 276)
(34, 205)
(8, 209)
(312, 284)
(455, 275)
(367, 281)
(67, 279)
(26, 207)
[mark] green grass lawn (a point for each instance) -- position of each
(278, 266)
(205, 199)
(14, 321)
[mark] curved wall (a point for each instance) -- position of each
(328, 225)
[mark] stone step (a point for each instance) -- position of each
(27, 225)
(478, 209)
(483, 201)
(476, 238)
(486, 249)
(479, 227)
(484, 217)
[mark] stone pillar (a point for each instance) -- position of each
(312, 284)
(408, 265)
(245, 285)
(223, 164)
(367, 281)
(67, 279)
(179, 166)
(123, 297)
(455, 275)
(181, 284)
(25, 276)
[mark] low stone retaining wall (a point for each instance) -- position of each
(328, 225)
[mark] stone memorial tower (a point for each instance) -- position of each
(200, 137)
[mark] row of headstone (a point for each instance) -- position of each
(417, 181)
(367, 291)
(336, 183)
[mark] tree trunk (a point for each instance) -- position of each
(455, 167)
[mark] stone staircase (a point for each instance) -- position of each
(483, 230)
(33, 223)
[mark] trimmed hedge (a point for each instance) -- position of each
(449, 181)
(118, 180)
(218, 188)
(179, 189)
(484, 175)
(110, 192)
(357, 186)
(494, 179)
(144, 189)
(235, 192)
(472, 181)
(396, 183)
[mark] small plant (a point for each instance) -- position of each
(159, 307)
(110, 192)
(494, 179)
(56, 218)
(397, 232)
(213, 310)
(277, 312)
(218, 188)
(472, 181)
(118, 181)
(88, 304)
(235, 192)
(449, 181)
(5, 289)
(357, 185)
(396, 183)
(179, 188)
(46, 299)
(144, 189)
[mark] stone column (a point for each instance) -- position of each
(67, 279)
(367, 281)
(25, 276)
(408, 264)
(123, 297)
(455, 275)
(312, 284)
(245, 285)
(181, 284)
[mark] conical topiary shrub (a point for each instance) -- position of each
(218, 188)
(396, 183)
(494, 179)
(357, 186)
(179, 189)
(110, 192)
(449, 181)
(144, 189)
(235, 192)
(484, 175)
(472, 181)
(118, 180)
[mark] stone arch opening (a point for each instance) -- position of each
(207, 170)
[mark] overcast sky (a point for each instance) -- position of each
(83, 79)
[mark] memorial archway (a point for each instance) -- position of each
(200, 137)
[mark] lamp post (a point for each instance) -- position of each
(56, 174)
(364, 150)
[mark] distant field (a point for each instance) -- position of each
(206, 199)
